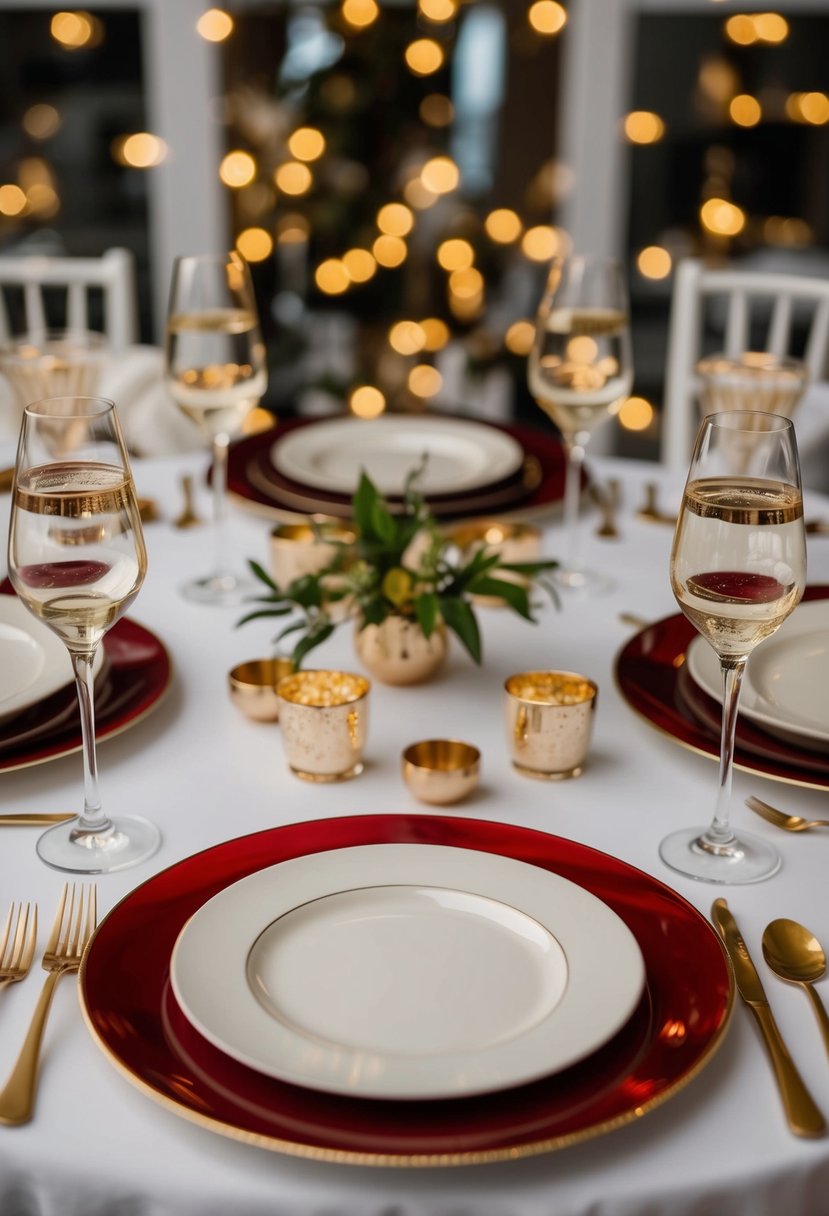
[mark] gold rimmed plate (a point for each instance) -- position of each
(670, 1036)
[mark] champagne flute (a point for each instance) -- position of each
(738, 569)
(580, 370)
(77, 561)
(215, 373)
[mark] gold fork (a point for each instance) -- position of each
(70, 934)
(17, 948)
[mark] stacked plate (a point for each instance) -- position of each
(406, 990)
(672, 676)
(466, 467)
(39, 717)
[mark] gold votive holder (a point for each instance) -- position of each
(441, 771)
(512, 540)
(306, 548)
(253, 686)
(549, 719)
(324, 720)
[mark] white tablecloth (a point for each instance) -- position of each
(98, 1147)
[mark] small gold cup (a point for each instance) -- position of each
(441, 771)
(253, 687)
(324, 720)
(299, 549)
(549, 717)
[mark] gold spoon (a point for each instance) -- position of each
(188, 517)
(789, 823)
(796, 955)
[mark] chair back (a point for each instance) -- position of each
(744, 302)
(38, 278)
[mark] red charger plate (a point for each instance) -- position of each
(137, 674)
(129, 1007)
(252, 477)
(650, 674)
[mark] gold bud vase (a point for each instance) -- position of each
(398, 652)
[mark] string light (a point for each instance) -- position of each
(503, 226)
(360, 13)
(12, 200)
(547, 17)
(390, 251)
(437, 10)
(745, 110)
(293, 178)
(407, 337)
(435, 333)
(76, 30)
(541, 243)
(395, 220)
(215, 25)
(306, 143)
(360, 264)
(636, 414)
(254, 244)
(140, 151)
(654, 262)
(643, 127)
(366, 401)
(237, 169)
(440, 175)
(519, 337)
(331, 277)
(455, 254)
(721, 217)
(424, 56)
(425, 380)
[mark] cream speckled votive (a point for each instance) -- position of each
(324, 721)
(549, 717)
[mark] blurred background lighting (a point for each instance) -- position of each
(466, 284)
(141, 150)
(436, 110)
(407, 337)
(395, 220)
(390, 251)
(293, 178)
(12, 200)
(425, 380)
(541, 243)
(215, 25)
(76, 30)
(721, 217)
(41, 121)
(254, 244)
(360, 13)
(643, 127)
(440, 175)
(237, 169)
(424, 56)
(519, 337)
(366, 401)
(547, 17)
(503, 225)
(455, 254)
(435, 333)
(745, 110)
(438, 10)
(306, 143)
(654, 262)
(636, 414)
(331, 277)
(360, 265)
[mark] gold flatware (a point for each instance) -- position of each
(17, 945)
(607, 500)
(802, 1114)
(70, 934)
(631, 618)
(6, 480)
(795, 954)
(188, 518)
(35, 819)
(789, 823)
(817, 527)
(650, 510)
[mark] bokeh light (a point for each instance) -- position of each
(390, 251)
(424, 56)
(360, 13)
(643, 127)
(654, 262)
(366, 401)
(293, 178)
(306, 143)
(721, 217)
(331, 277)
(254, 244)
(540, 243)
(745, 110)
(436, 333)
(636, 414)
(215, 25)
(519, 337)
(407, 337)
(438, 10)
(436, 110)
(547, 17)
(455, 254)
(440, 175)
(395, 219)
(425, 380)
(360, 264)
(503, 226)
(76, 30)
(237, 169)
(41, 121)
(12, 200)
(140, 151)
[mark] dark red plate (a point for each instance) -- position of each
(135, 676)
(129, 1007)
(540, 485)
(651, 675)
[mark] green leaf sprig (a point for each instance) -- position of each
(398, 564)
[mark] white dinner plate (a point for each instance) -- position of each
(406, 971)
(462, 454)
(786, 683)
(34, 663)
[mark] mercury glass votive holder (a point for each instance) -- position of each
(549, 719)
(324, 720)
(305, 548)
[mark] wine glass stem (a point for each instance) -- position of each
(221, 443)
(93, 818)
(572, 494)
(719, 834)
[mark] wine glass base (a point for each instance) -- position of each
(220, 590)
(748, 859)
(578, 580)
(128, 841)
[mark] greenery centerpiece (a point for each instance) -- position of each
(400, 569)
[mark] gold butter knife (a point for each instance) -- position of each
(803, 1115)
(35, 819)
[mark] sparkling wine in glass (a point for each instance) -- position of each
(738, 569)
(215, 372)
(77, 560)
(580, 370)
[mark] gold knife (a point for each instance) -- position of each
(803, 1115)
(27, 820)
(6, 480)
